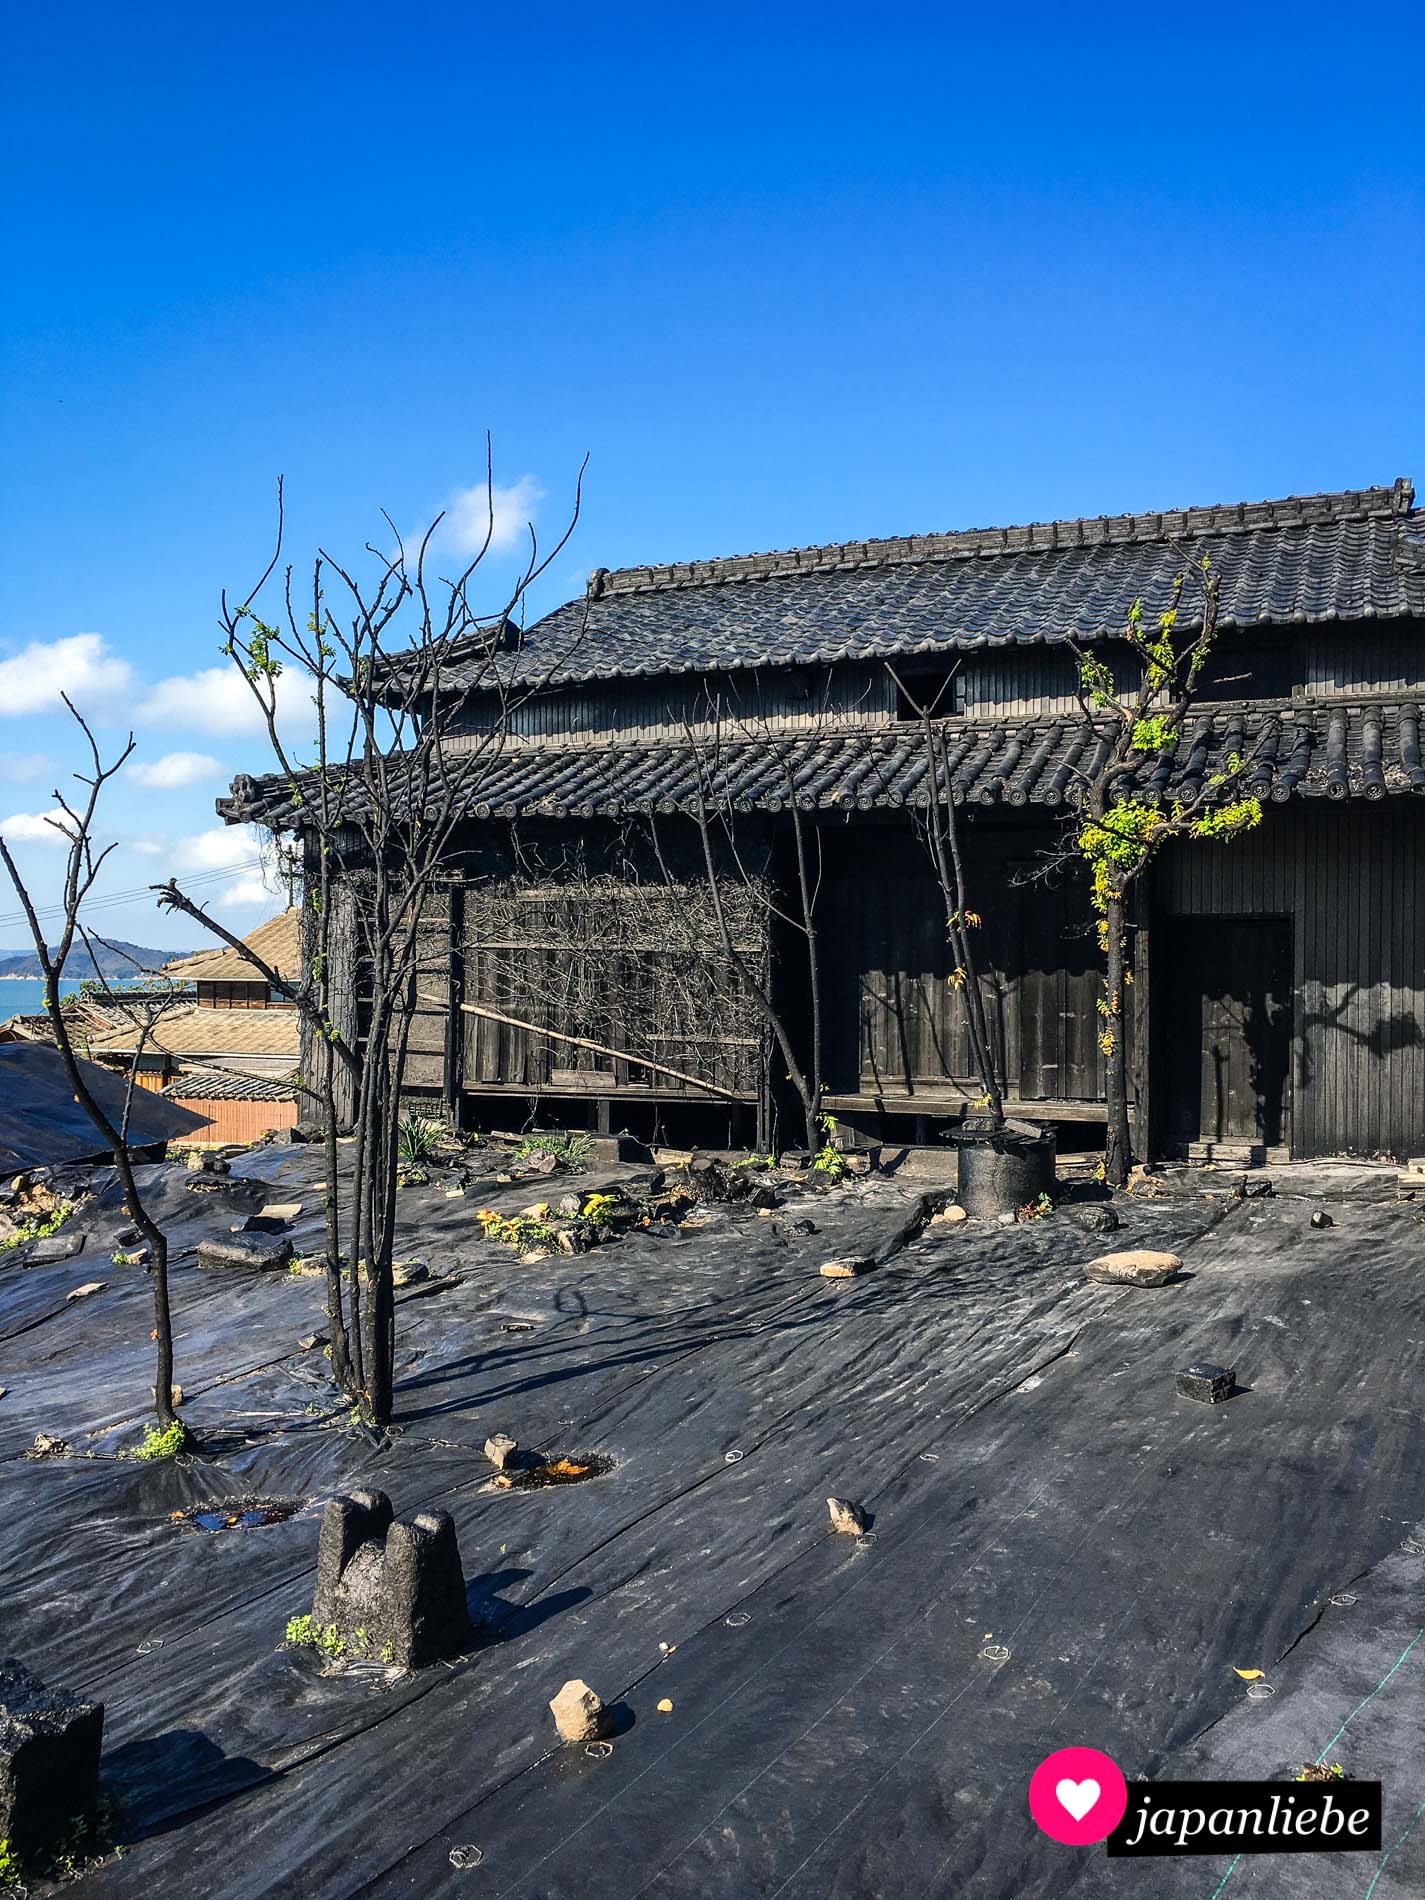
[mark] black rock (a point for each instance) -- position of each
(802, 1227)
(1322, 1219)
(395, 1591)
(255, 1251)
(1207, 1383)
(49, 1760)
(1097, 1218)
(55, 1247)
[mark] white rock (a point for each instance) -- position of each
(1137, 1266)
(847, 1269)
(500, 1449)
(579, 1714)
(847, 1517)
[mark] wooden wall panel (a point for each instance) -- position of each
(1352, 881)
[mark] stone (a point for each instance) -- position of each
(279, 1210)
(859, 1160)
(55, 1247)
(309, 1342)
(202, 1161)
(1207, 1383)
(134, 1257)
(949, 1216)
(579, 1714)
(84, 1292)
(1096, 1218)
(409, 1272)
(803, 1227)
(46, 1445)
(568, 1205)
(1255, 1188)
(764, 1198)
(49, 1760)
(609, 1150)
(846, 1269)
(539, 1161)
(848, 1518)
(1139, 1266)
(1322, 1219)
(259, 1252)
(393, 1591)
(500, 1450)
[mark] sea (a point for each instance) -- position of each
(25, 995)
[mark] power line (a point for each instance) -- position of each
(112, 900)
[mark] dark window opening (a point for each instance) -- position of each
(1255, 672)
(941, 693)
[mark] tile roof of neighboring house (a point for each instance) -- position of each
(276, 942)
(1355, 555)
(1335, 750)
(229, 1085)
(196, 1031)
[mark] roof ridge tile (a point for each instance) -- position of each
(1350, 504)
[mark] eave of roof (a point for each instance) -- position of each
(1329, 749)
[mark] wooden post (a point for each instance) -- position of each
(454, 1023)
(1144, 1133)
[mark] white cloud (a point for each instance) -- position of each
(223, 848)
(80, 664)
(247, 890)
(218, 700)
(175, 769)
(21, 767)
(147, 847)
(33, 827)
(504, 514)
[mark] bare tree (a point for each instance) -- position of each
(76, 824)
(1120, 825)
(730, 860)
(412, 694)
(939, 827)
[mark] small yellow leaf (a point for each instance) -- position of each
(665, 1707)
(1249, 1675)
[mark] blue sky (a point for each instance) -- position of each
(787, 274)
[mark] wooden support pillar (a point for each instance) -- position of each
(451, 1078)
(1144, 1134)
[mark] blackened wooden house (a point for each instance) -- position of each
(1279, 990)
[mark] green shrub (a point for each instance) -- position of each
(572, 1150)
(162, 1441)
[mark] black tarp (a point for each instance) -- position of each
(41, 1124)
(835, 1730)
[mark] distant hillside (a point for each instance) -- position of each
(117, 959)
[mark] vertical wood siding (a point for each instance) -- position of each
(1352, 882)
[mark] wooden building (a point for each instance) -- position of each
(1279, 988)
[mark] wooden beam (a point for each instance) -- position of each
(598, 1048)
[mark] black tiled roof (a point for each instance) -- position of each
(1340, 750)
(1357, 555)
(229, 1085)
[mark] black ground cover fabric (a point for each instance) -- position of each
(1034, 1482)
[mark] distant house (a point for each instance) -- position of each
(235, 1108)
(236, 1024)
